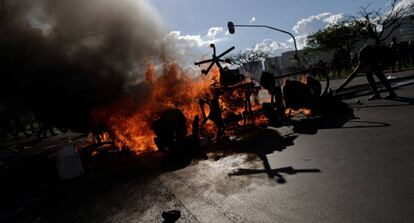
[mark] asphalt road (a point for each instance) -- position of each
(346, 169)
(366, 172)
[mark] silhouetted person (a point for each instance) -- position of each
(374, 59)
(17, 125)
(404, 50)
(396, 57)
(411, 50)
(45, 125)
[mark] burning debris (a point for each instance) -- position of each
(84, 82)
(171, 102)
(167, 119)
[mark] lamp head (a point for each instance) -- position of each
(230, 26)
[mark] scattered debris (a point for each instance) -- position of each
(171, 216)
(68, 163)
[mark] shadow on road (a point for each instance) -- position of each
(272, 173)
(258, 140)
(335, 114)
(260, 143)
(410, 101)
(405, 100)
(312, 125)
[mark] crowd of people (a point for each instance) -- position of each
(21, 122)
(403, 53)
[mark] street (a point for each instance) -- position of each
(366, 174)
(349, 169)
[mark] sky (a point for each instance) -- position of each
(193, 24)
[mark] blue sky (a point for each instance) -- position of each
(193, 24)
(196, 16)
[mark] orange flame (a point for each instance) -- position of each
(130, 122)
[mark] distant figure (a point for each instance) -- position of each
(45, 125)
(395, 48)
(411, 49)
(373, 60)
(404, 50)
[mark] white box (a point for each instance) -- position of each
(68, 163)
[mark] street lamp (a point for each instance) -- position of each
(231, 25)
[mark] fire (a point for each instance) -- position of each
(289, 112)
(130, 122)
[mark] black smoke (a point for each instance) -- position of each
(59, 60)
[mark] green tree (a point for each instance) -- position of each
(339, 40)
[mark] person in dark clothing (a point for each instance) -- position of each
(395, 52)
(372, 61)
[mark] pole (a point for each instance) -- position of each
(280, 30)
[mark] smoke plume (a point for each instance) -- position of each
(61, 59)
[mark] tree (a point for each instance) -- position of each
(248, 58)
(339, 40)
(379, 25)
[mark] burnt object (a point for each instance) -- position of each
(314, 85)
(171, 138)
(268, 82)
(227, 76)
(230, 77)
(231, 82)
(170, 130)
(171, 216)
(214, 60)
(297, 95)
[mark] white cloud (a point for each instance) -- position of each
(214, 31)
(188, 40)
(187, 48)
(213, 35)
(252, 20)
(184, 43)
(272, 47)
(316, 22)
(407, 5)
(301, 41)
(313, 23)
(334, 19)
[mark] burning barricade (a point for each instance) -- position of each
(178, 112)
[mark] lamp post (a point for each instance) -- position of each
(231, 25)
